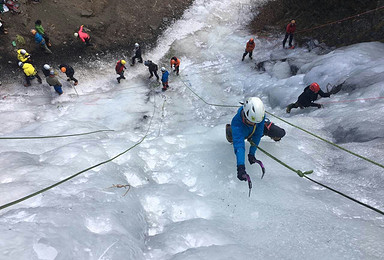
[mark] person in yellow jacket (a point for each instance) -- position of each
(30, 73)
(23, 55)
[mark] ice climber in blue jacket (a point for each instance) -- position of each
(164, 79)
(248, 124)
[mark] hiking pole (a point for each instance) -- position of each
(73, 86)
(75, 89)
(249, 184)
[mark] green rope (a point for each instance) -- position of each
(329, 142)
(298, 172)
(78, 173)
(304, 174)
(211, 104)
(52, 136)
(302, 129)
(346, 196)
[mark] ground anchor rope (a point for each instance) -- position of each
(298, 172)
(52, 136)
(78, 173)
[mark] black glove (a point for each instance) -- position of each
(241, 173)
(318, 105)
(252, 159)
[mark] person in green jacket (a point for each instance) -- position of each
(54, 82)
(39, 28)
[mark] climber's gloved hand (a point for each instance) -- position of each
(252, 159)
(241, 173)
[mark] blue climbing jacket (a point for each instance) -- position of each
(164, 78)
(242, 131)
(39, 39)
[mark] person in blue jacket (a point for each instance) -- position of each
(40, 41)
(248, 124)
(164, 78)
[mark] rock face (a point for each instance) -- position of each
(312, 13)
(112, 24)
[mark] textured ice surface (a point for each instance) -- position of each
(185, 201)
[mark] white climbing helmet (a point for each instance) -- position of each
(47, 67)
(162, 69)
(137, 45)
(254, 109)
(76, 34)
(20, 64)
(22, 51)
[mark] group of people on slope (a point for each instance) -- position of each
(250, 122)
(30, 72)
(152, 67)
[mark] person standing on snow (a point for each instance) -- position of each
(40, 40)
(152, 67)
(84, 37)
(39, 28)
(175, 63)
(69, 71)
(291, 27)
(307, 98)
(164, 79)
(54, 82)
(120, 66)
(23, 55)
(137, 54)
(249, 49)
(30, 73)
(46, 70)
(248, 124)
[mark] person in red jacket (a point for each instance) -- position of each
(120, 69)
(291, 27)
(249, 49)
(84, 37)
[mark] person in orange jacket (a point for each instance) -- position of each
(175, 62)
(291, 27)
(249, 49)
(84, 37)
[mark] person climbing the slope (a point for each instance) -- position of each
(23, 55)
(248, 124)
(137, 54)
(54, 82)
(30, 73)
(307, 98)
(40, 41)
(164, 79)
(69, 71)
(39, 28)
(249, 49)
(270, 129)
(152, 67)
(291, 27)
(119, 68)
(175, 63)
(84, 37)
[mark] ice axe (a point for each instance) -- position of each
(249, 183)
(262, 168)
